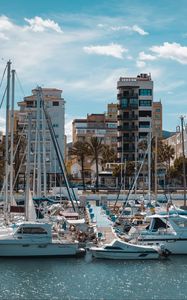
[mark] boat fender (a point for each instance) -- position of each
(166, 253)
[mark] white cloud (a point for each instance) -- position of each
(5, 23)
(114, 50)
(139, 30)
(143, 56)
(68, 130)
(140, 63)
(100, 25)
(165, 86)
(173, 51)
(3, 36)
(38, 24)
(118, 28)
(68, 126)
(134, 28)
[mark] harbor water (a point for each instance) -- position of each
(78, 278)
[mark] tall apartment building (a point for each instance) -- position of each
(135, 97)
(54, 103)
(157, 119)
(100, 125)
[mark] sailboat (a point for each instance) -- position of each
(32, 238)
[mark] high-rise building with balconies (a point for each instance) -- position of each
(135, 97)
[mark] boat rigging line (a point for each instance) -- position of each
(56, 147)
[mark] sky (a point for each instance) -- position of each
(83, 47)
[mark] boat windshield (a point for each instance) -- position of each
(113, 248)
(32, 230)
(157, 224)
(180, 223)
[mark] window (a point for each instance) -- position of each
(157, 109)
(145, 103)
(32, 230)
(145, 113)
(133, 102)
(142, 135)
(124, 103)
(145, 92)
(144, 125)
(55, 103)
(55, 125)
(113, 248)
(112, 125)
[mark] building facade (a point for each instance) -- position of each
(157, 119)
(101, 125)
(176, 142)
(135, 98)
(54, 104)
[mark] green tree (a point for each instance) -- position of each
(165, 154)
(81, 151)
(18, 146)
(95, 152)
(176, 171)
(108, 155)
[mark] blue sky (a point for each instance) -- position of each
(83, 47)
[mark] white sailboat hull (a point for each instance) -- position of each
(38, 249)
(124, 255)
(123, 250)
(174, 246)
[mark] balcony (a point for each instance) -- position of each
(126, 139)
(127, 128)
(131, 118)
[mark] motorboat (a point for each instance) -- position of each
(119, 249)
(37, 239)
(166, 228)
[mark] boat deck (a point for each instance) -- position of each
(103, 225)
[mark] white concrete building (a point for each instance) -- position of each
(54, 104)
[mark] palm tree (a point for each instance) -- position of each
(81, 151)
(165, 154)
(18, 156)
(95, 151)
(108, 155)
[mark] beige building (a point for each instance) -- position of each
(103, 126)
(100, 125)
(176, 142)
(157, 119)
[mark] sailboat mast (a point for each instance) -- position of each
(38, 123)
(149, 164)
(44, 152)
(12, 138)
(28, 168)
(7, 135)
(183, 161)
(156, 150)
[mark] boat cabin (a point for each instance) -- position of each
(33, 229)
